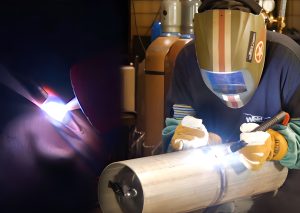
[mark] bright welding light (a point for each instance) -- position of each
(211, 156)
(55, 109)
(199, 157)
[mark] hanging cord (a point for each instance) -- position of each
(136, 28)
(156, 15)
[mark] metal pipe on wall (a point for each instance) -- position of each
(188, 10)
(183, 181)
(171, 16)
(281, 15)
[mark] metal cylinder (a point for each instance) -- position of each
(170, 16)
(128, 88)
(183, 181)
(188, 10)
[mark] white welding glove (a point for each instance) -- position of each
(257, 151)
(248, 127)
(190, 133)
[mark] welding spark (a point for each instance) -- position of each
(55, 108)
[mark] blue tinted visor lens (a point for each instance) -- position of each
(226, 83)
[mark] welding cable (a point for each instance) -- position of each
(136, 27)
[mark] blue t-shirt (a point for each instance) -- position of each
(278, 89)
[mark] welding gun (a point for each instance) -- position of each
(37, 92)
(282, 117)
(23, 86)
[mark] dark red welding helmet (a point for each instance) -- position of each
(96, 84)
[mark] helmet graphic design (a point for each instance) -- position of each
(230, 48)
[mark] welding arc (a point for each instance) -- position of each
(11, 82)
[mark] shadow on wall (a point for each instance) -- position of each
(294, 34)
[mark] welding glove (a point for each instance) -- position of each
(262, 146)
(168, 132)
(190, 133)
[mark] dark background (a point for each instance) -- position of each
(44, 38)
(41, 40)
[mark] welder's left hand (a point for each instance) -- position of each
(262, 146)
(190, 133)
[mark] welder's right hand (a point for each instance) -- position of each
(261, 146)
(190, 133)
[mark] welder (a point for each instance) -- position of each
(234, 76)
(51, 157)
(45, 167)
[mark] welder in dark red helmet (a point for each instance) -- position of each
(47, 166)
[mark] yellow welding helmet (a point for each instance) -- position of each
(230, 48)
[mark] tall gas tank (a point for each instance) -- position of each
(188, 10)
(154, 89)
(171, 16)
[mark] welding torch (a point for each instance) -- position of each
(37, 94)
(282, 117)
(51, 104)
(40, 95)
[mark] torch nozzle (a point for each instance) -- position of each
(73, 104)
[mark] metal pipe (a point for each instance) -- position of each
(188, 10)
(171, 16)
(183, 181)
(282, 8)
(281, 16)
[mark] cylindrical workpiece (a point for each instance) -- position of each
(183, 181)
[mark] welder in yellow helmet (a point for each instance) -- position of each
(234, 76)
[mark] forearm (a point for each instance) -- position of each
(291, 132)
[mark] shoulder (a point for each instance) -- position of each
(187, 59)
(188, 51)
(282, 44)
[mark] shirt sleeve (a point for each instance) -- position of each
(291, 132)
(290, 100)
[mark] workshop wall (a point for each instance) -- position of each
(147, 11)
(143, 14)
(293, 14)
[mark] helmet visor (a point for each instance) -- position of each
(234, 88)
(226, 82)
